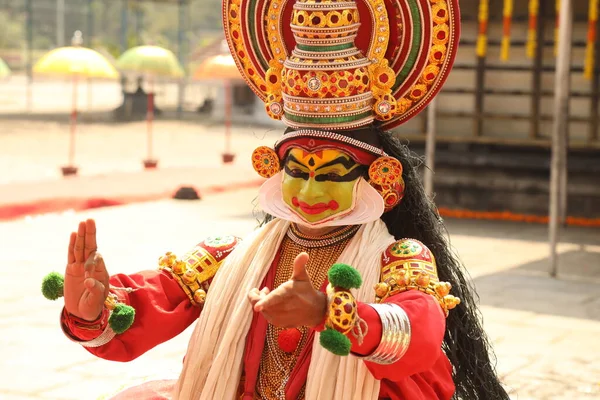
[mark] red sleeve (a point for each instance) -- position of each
(434, 384)
(427, 324)
(162, 311)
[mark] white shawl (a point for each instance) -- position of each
(214, 359)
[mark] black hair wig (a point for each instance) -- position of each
(465, 342)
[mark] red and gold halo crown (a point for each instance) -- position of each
(341, 64)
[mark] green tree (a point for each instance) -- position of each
(12, 31)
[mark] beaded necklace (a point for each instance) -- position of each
(276, 365)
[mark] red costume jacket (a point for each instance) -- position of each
(163, 311)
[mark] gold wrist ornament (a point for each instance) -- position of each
(341, 310)
(342, 317)
(121, 315)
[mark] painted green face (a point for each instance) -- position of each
(320, 185)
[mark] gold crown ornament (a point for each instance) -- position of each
(338, 65)
(331, 70)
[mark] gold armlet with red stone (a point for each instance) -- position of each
(342, 317)
(409, 265)
(196, 270)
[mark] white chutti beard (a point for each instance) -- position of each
(368, 205)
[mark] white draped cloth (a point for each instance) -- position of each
(214, 360)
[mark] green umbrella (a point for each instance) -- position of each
(4, 70)
(151, 61)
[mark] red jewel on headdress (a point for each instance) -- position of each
(288, 339)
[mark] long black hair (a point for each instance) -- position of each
(465, 342)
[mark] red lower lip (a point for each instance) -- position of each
(315, 208)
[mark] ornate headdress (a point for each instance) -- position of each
(327, 68)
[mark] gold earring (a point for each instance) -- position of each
(265, 161)
(385, 171)
(392, 194)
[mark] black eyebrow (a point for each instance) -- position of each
(346, 162)
(350, 176)
(292, 158)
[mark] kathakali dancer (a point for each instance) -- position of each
(349, 290)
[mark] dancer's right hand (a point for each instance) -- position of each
(86, 279)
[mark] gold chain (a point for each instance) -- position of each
(277, 365)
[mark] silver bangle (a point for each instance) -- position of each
(395, 334)
(106, 336)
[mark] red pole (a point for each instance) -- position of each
(73, 124)
(228, 156)
(227, 116)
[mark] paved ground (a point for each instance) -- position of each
(544, 331)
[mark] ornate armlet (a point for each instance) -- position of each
(342, 317)
(186, 276)
(195, 271)
(409, 265)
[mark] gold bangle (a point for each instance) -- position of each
(341, 308)
(342, 314)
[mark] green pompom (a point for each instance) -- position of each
(53, 286)
(344, 276)
(121, 318)
(336, 342)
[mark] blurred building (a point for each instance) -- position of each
(495, 117)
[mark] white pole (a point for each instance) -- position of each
(60, 23)
(430, 149)
(560, 128)
(564, 184)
